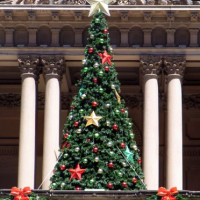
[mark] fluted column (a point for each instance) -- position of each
(174, 67)
(53, 70)
(151, 69)
(26, 167)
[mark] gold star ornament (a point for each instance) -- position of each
(99, 5)
(92, 119)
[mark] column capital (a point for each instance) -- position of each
(174, 65)
(28, 66)
(150, 64)
(53, 66)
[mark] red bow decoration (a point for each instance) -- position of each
(21, 194)
(105, 57)
(167, 194)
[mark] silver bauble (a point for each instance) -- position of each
(78, 131)
(77, 149)
(83, 96)
(100, 171)
(96, 159)
(107, 123)
(83, 61)
(96, 65)
(109, 144)
(113, 86)
(108, 105)
(123, 164)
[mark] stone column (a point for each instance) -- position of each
(26, 168)
(78, 37)
(151, 70)
(147, 37)
(53, 70)
(124, 37)
(194, 37)
(9, 37)
(32, 37)
(170, 37)
(174, 68)
(55, 37)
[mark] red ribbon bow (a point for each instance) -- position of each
(167, 194)
(21, 194)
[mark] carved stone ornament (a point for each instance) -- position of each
(151, 64)
(194, 16)
(147, 16)
(174, 65)
(53, 65)
(29, 65)
(192, 101)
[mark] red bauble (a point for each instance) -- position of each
(105, 31)
(106, 68)
(124, 184)
(88, 139)
(139, 161)
(76, 124)
(95, 149)
(77, 188)
(62, 167)
(110, 185)
(73, 106)
(95, 80)
(134, 180)
(110, 165)
(122, 110)
(90, 50)
(94, 104)
(122, 145)
(115, 127)
(65, 136)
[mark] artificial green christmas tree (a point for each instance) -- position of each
(98, 149)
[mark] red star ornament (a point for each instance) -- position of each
(76, 173)
(105, 57)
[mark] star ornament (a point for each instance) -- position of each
(99, 5)
(105, 57)
(92, 119)
(76, 173)
(129, 155)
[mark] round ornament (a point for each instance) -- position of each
(73, 106)
(81, 111)
(66, 135)
(85, 160)
(117, 112)
(96, 159)
(91, 180)
(100, 171)
(77, 188)
(95, 80)
(62, 167)
(122, 110)
(89, 140)
(139, 161)
(96, 135)
(100, 90)
(84, 61)
(94, 104)
(106, 68)
(100, 73)
(96, 65)
(108, 105)
(122, 145)
(95, 149)
(109, 144)
(107, 123)
(79, 130)
(105, 31)
(97, 20)
(110, 165)
(111, 49)
(65, 155)
(70, 117)
(90, 50)
(115, 127)
(124, 164)
(109, 185)
(85, 69)
(129, 124)
(77, 149)
(92, 36)
(53, 185)
(135, 147)
(101, 40)
(124, 184)
(83, 96)
(119, 174)
(134, 180)
(62, 184)
(131, 135)
(111, 153)
(113, 86)
(76, 124)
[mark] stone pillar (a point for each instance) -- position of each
(147, 37)
(194, 37)
(124, 38)
(78, 37)
(9, 37)
(151, 70)
(174, 67)
(55, 37)
(26, 168)
(170, 37)
(53, 70)
(32, 37)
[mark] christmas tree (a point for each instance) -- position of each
(98, 149)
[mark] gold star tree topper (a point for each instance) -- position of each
(92, 119)
(99, 5)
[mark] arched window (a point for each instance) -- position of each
(20, 36)
(67, 36)
(43, 36)
(182, 37)
(158, 37)
(2, 37)
(85, 36)
(115, 36)
(136, 37)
